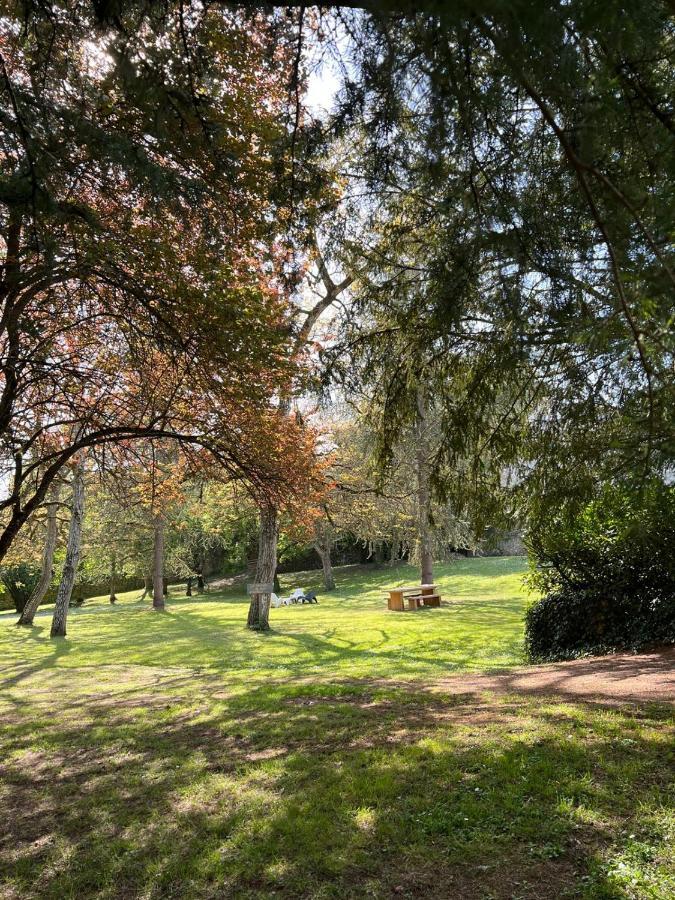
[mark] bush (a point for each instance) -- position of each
(608, 574)
(19, 581)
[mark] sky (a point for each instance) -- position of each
(322, 86)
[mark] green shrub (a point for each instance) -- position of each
(19, 581)
(608, 574)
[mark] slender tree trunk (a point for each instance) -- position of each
(42, 586)
(378, 554)
(113, 576)
(324, 552)
(393, 555)
(423, 494)
(73, 547)
(259, 610)
(147, 586)
(158, 567)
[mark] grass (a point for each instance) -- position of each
(349, 634)
(179, 755)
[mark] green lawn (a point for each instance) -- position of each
(178, 755)
(350, 633)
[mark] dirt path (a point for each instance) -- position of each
(621, 678)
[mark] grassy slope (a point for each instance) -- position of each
(350, 633)
(196, 759)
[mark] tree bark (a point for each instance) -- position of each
(147, 586)
(158, 567)
(423, 494)
(259, 610)
(42, 586)
(113, 576)
(378, 554)
(393, 553)
(324, 552)
(73, 547)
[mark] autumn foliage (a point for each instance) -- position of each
(145, 286)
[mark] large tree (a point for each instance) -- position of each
(327, 290)
(144, 189)
(515, 222)
(511, 229)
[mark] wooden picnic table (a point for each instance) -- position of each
(416, 594)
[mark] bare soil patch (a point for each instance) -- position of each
(619, 678)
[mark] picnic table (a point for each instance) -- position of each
(417, 595)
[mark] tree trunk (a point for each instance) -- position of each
(41, 587)
(259, 610)
(158, 567)
(423, 494)
(147, 586)
(325, 555)
(113, 576)
(393, 554)
(72, 554)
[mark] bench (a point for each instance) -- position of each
(416, 595)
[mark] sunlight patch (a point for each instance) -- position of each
(364, 819)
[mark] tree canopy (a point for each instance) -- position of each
(144, 286)
(493, 185)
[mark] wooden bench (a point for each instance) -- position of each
(416, 595)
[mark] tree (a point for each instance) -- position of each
(423, 491)
(382, 509)
(139, 211)
(511, 166)
(117, 525)
(73, 548)
(258, 613)
(136, 505)
(323, 542)
(159, 527)
(47, 572)
(258, 617)
(20, 580)
(547, 194)
(212, 528)
(303, 482)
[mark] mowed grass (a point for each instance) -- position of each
(350, 633)
(178, 755)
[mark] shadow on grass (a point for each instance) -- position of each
(58, 647)
(303, 646)
(335, 790)
(303, 643)
(349, 634)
